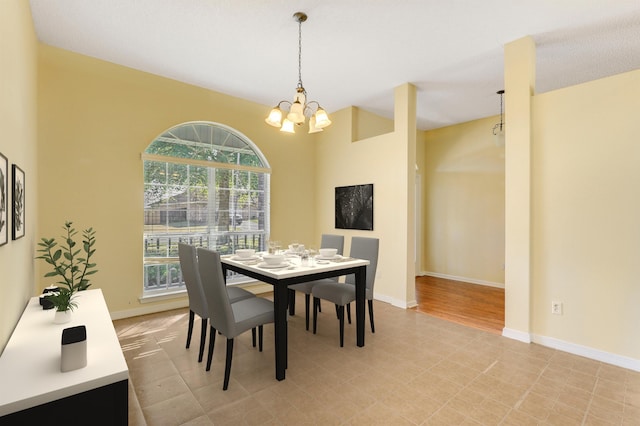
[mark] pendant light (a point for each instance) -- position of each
(498, 129)
(299, 110)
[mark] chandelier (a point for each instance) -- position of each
(299, 110)
(498, 129)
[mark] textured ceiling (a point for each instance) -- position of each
(353, 52)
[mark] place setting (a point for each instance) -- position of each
(327, 255)
(246, 256)
(296, 255)
(261, 260)
(274, 261)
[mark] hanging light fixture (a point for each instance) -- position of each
(299, 110)
(498, 129)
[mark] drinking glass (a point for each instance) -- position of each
(312, 256)
(304, 258)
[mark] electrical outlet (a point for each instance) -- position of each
(556, 308)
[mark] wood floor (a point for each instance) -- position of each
(472, 305)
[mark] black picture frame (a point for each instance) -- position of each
(4, 200)
(18, 187)
(354, 207)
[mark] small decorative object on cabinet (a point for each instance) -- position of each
(71, 264)
(73, 354)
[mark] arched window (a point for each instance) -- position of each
(204, 184)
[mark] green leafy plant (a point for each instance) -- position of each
(70, 263)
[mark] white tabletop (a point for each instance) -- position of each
(30, 364)
(294, 267)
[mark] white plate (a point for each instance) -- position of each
(337, 256)
(268, 266)
(242, 259)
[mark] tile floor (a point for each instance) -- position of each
(415, 370)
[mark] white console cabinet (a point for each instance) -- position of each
(34, 390)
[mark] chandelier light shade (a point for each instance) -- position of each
(498, 129)
(299, 110)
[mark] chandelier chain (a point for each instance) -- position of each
(300, 55)
(501, 111)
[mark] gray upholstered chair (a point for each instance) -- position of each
(328, 241)
(195, 292)
(230, 319)
(344, 293)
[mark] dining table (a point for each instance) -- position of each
(295, 272)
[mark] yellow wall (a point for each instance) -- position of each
(367, 124)
(18, 74)
(96, 118)
(586, 214)
(463, 208)
(383, 161)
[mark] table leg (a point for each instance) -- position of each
(361, 285)
(280, 297)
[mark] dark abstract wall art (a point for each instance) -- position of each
(17, 181)
(4, 199)
(354, 207)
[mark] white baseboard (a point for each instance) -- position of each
(463, 279)
(573, 348)
(587, 352)
(516, 335)
(150, 309)
(395, 302)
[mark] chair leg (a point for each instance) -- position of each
(316, 303)
(260, 338)
(212, 342)
(349, 312)
(373, 329)
(253, 336)
(227, 365)
(337, 312)
(319, 306)
(292, 302)
(203, 338)
(190, 329)
(341, 318)
(307, 300)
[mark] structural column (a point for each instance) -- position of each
(519, 71)
(405, 132)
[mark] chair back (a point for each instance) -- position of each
(215, 291)
(333, 241)
(191, 276)
(365, 248)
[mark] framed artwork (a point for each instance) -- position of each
(354, 207)
(4, 200)
(17, 183)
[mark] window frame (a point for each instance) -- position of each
(171, 262)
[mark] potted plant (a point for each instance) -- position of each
(71, 264)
